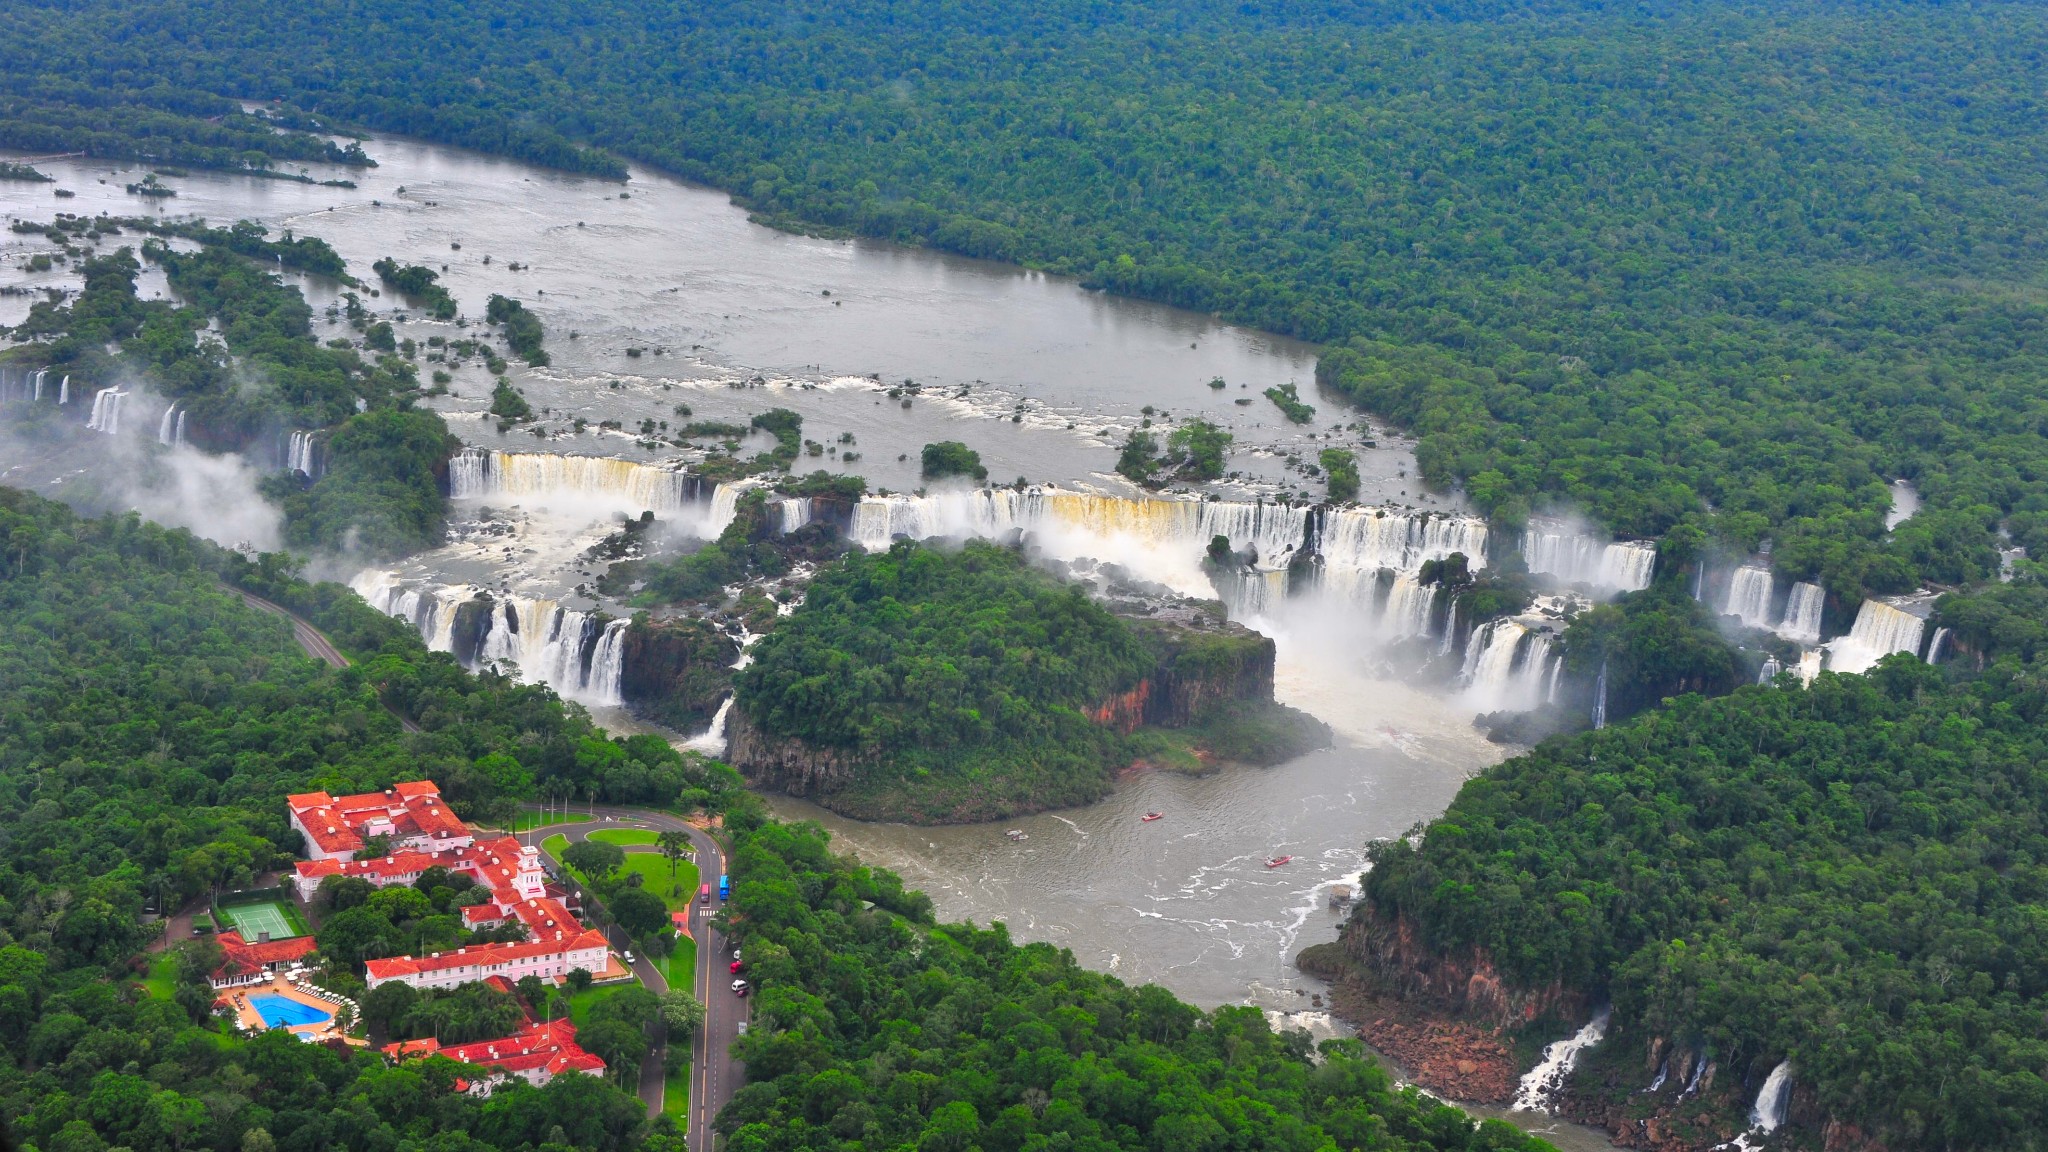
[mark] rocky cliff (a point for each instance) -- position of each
(676, 672)
(1203, 662)
(785, 763)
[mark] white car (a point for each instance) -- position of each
(742, 1027)
(629, 959)
(739, 986)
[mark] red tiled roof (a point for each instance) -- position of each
(552, 1046)
(414, 808)
(495, 863)
(484, 955)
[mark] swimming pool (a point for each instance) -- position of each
(285, 1012)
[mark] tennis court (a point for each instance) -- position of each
(252, 920)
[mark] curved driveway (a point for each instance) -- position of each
(714, 1074)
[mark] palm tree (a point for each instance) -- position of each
(675, 844)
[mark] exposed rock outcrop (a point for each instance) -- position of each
(785, 763)
(676, 672)
(1391, 955)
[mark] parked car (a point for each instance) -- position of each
(739, 987)
(629, 957)
(735, 967)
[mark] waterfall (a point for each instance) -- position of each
(1663, 1071)
(1809, 665)
(1367, 558)
(1555, 549)
(711, 741)
(1879, 631)
(1600, 697)
(39, 383)
(598, 484)
(581, 655)
(1507, 666)
(167, 428)
(299, 456)
(1699, 1068)
(608, 664)
(1749, 596)
(106, 411)
(1769, 1113)
(1699, 582)
(1356, 539)
(792, 514)
(576, 653)
(1550, 1073)
(1937, 648)
(1769, 671)
(64, 390)
(1802, 614)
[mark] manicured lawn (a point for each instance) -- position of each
(625, 837)
(555, 846)
(654, 873)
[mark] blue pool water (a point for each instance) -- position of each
(283, 1011)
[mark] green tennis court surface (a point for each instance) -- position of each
(252, 920)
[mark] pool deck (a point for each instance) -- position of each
(252, 1020)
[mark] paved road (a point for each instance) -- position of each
(714, 1074)
(311, 639)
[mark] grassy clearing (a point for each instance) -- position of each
(159, 982)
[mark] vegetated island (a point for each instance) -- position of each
(940, 686)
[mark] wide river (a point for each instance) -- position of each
(1042, 377)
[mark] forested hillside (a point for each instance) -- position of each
(1847, 876)
(1655, 260)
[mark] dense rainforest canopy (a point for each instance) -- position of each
(954, 679)
(1720, 262)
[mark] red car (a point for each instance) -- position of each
(735, 968)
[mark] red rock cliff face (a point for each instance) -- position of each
(1466, 986)
(1125, 710)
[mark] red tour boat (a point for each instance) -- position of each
(1151, 816)
(1277, 861)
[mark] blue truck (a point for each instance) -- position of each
(724, 888)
